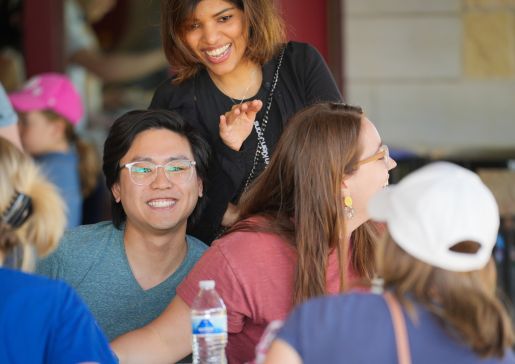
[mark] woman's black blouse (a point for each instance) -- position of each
(304, 79)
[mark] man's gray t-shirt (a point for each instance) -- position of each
(92, 259)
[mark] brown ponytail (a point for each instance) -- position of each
(300, 195)
(89, 161)
(89, 166)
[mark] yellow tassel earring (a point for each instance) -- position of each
(347, 208)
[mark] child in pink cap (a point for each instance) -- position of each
(49, 108)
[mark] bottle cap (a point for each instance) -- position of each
(206, 284)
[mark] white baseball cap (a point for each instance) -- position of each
(436, 207)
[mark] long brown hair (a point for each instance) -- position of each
(465, 302)
(265, 33)
(44, 227)
(89, 162)
(300, 195)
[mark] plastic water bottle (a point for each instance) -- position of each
(209, 325)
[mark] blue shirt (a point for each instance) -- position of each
(62, 169)
(44, 321)
(357, 328)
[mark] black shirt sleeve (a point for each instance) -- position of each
(311, 75)
(320, 84)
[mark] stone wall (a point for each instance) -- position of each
(435, 76)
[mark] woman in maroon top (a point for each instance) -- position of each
(294, 238)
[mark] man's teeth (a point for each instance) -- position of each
(218, 52)
(161, 203)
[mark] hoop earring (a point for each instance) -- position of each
(347, 208)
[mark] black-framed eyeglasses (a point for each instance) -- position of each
(143, 173)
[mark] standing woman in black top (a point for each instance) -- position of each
(237, 82)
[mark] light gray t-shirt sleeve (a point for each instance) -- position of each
(50, 266)
(55, 265)
(7, 114)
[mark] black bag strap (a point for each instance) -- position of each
(262, 148)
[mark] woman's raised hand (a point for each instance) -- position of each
(236, 125)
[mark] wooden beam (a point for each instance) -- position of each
(43, 36)
(319, 23)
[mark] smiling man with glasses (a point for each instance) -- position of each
(127, 270)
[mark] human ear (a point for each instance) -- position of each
(345, 186)
(115, 190)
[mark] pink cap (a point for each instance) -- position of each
(49, 91)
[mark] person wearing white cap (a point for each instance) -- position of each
(439, 303)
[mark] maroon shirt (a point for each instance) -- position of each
(254, 275)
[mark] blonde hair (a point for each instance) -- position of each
(43, 229)
(466, 303)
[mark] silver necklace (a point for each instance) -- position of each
(246, 90)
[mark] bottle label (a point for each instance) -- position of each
(202, 325)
